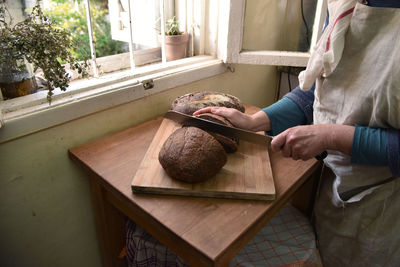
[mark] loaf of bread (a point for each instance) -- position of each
(192, 102)
(192, 155)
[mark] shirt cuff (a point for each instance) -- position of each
(369, 146)
(284, 114)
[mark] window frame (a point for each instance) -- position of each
(232, 41)
(29, 114)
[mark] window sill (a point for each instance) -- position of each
(30, 114)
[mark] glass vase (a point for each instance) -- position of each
(17, 79)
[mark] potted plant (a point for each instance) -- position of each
(36, 40)
(175, 40)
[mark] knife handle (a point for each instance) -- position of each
(322, 155)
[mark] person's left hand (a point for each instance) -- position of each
(237, 118)
(303, 142)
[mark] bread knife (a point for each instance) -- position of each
(225, 130)
(229, 131)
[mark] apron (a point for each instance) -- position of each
(364, 89)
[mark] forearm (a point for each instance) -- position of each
(259, 121)
(377, 146)
(284, 114)
(295, 108)
(367, 145)
(339, 137)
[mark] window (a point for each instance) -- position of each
(275, 44)
(136, 24)
(118, 82)
(122, 34)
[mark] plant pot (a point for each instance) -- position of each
(175, 46)
(17, 79)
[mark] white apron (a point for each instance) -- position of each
(364, 89)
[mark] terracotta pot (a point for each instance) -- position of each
(175, 46)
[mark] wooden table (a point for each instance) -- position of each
(203, 231)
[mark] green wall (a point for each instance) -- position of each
(46, 217)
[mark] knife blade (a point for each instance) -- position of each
(225, 130)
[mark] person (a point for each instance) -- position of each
(348, 105)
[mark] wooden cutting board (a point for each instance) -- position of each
(246, 175)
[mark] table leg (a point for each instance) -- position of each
(110, 226)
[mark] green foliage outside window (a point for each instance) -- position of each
(71, 16)
(39, 41)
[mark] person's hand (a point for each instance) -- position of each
(237, 118)
(305, 142)
(256, 122)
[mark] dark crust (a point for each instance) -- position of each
(192, 155)
(192, 102)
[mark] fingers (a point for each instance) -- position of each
(228, 113)
(301, 142)
(236, 117)
(222, 111)
(203, 110)
(281, 143)
(284, 143)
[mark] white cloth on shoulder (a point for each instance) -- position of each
(328, 51)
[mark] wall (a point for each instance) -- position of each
(45, 210)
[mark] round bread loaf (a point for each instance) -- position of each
(192, 155)
(192, 102)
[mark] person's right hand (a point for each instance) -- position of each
(306, 141)
(256, 122)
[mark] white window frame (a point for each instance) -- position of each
(231, 39)
(29, 114)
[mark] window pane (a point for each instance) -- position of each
(145, 27)
(278, 25)
(71, 15)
